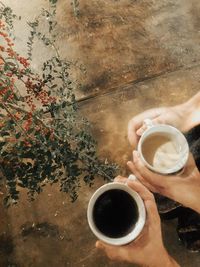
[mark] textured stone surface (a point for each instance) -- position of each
(119, 41)
(138, 54)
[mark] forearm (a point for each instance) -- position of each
(192, 108)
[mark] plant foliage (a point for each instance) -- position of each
(43, 139)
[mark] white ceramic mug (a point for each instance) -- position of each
(178, 139)
(137, 227)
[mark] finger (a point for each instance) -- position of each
(136, 122)
(149, 202)
(113, 252)
(133, 125)
(157, 120)
(100, 245)
(124, 180)
(141, 130)
(160, 119)
(134, 170)
(140, 189)
(156, 180)
(120, 179)
(104, 246)
(152, 213)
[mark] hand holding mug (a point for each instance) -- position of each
(183, 188)
(178, 116)
(145, 249)
(116, 213)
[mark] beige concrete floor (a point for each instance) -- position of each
(138, 55)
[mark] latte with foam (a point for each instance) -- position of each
(161, 151)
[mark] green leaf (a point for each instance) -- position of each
(18, 135)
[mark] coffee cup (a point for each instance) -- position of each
(163, 148)
(116, 214)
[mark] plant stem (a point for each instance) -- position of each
(16, 122)
(58, 137)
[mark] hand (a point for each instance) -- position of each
(183, 188)
(146, 248)
(177, 116)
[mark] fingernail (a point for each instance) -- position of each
(132, 177)
(129, 163)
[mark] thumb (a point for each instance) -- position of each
(113, 252)
(99, 245)
(160, 119)
(110, 250)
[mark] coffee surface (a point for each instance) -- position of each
(160, 151)
(115, 213)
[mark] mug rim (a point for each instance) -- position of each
(180, 163)
(139, 224)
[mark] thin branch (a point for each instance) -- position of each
(16, 122)
(58, 137)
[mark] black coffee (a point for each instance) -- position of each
(115, 213)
